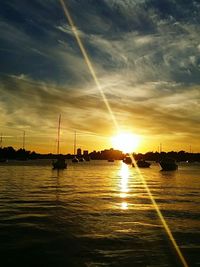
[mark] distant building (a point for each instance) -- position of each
(79, 152)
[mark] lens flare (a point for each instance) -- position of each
(88, 61)
(93, 74)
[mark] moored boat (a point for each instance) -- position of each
(60, 162)
(87, 158)
(75, 159)
(3, 160)
(127, 160)
(168, 164)
(142, 164)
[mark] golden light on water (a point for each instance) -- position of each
(124, 175)
(124, 206)
(126, 142)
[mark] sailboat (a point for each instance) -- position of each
(168, 164)
(60, 162)
(142, 164)
(2, 159)
(75, 159)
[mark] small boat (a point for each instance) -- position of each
(75, 160)
(127, 160)
(87, 158)
(111, 160)
(3, 160)
(168, 164)
(60, 162)
(142, 164)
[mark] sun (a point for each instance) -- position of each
(126, 142)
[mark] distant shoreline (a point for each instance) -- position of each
(9, 153)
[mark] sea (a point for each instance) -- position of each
(98, 213)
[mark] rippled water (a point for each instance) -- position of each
(97, 214)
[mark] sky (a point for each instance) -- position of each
(146, 57)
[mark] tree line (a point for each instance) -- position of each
(21, 154)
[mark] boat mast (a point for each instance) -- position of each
(160, 147)
(1, 140)
(74, 143)
(58, 140)
(23, 144)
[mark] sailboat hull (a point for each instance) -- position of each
(59, 164)
(168, 164)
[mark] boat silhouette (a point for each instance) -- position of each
(142, 164)
(127, 160)
(168, 164)
(75, 159)
(60, 162)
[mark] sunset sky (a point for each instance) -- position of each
(146, 56)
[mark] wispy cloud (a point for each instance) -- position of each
(145, 54)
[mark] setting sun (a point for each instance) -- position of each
(125, 142)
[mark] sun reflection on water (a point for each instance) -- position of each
(124, 174)
(124, 205)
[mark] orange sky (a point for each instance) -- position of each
(145, 75)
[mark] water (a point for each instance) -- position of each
(97, 214)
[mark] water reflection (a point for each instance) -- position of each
(168, 174)
(124, 175)
(124, 205)
(98, 211)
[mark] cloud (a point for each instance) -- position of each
(80, 108)
(151, 107)
(145, 55)
(121, 41)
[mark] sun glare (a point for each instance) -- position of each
(126, 142)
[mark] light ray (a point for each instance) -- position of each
(163, 221)
(91, 69)
(88, 61)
